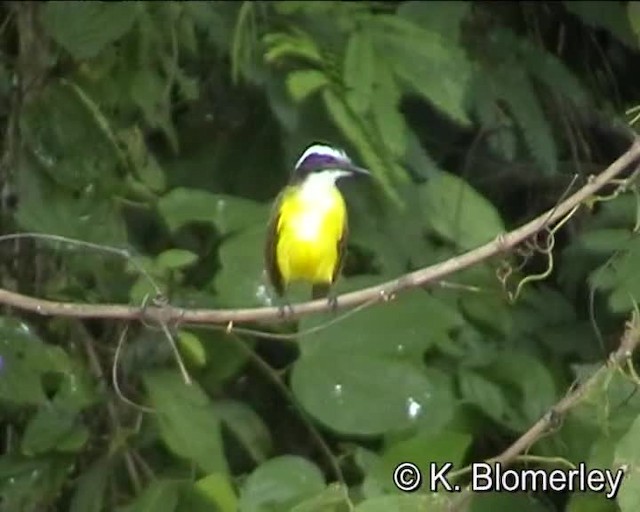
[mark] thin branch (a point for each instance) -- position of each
(114, 420)
(628, 344)
(169, 314)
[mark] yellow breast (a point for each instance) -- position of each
(311, 224)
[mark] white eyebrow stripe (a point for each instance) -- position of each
(321, 149)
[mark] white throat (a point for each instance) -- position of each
(319, 183)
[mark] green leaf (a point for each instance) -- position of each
(158, 496)
(224, 358)
(279, 484)
(537, 393)
(26, 483)
(298, 45)
(430, 65)
(172, 259)
(218, 491)
(144, 162)
(241, 282)
(47, 208)
(387, 116)
(590, 502)
(24, 361)
(501, 501)
(247, 427)
(191, 346)
(188, 422)
(483, 393)
(423, 449)
(613, 19)
(439, 16)
(85, 28)
(54, 427)
(350, 126)
(375, 356)
(89, 493)
(359, 70)
(621, 279)
(458, 213)
(332, 499)
(403, 503)
(69, 140)
(148, 91)
(516, 89)
(303, 83)
(369, 394)
(605, 241)
(633, 12)
(551, 71)
(362, 375)
(227, 213)
(628, 454)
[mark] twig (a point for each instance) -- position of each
(114, 420)
(628, 344)
(169, 314)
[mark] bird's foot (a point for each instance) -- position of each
(333, 303)
(285, 310)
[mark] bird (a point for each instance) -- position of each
(308, 227)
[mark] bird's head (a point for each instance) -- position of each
(333, 163)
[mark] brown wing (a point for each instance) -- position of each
(270, 257)
(342, 250)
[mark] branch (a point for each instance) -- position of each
(170, 314)
(628, 344)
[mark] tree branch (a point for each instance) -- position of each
(170, 314)
(628, 344)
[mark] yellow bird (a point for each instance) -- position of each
(308, 230)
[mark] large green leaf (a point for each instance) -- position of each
(218, 491)
(302, 83)
(620, 278)
(364, 374)
(423, 449)
(279, 484)
(247, 427)
(24, 360)
(70, 140)
(503, 502)
(47, 208)
(516, 89)
(387, 116)
(187, 420)
(439, 16)
(55, 426)
(536, 393)
(85, 28)
(430, 65)
(158, 496)
(227, 213)
(406, 503)
(90, 488)
(241, 281)
(458, 213)
(484, 394)
(359, 70)
(334, 498)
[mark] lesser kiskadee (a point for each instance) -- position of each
(307, 233)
